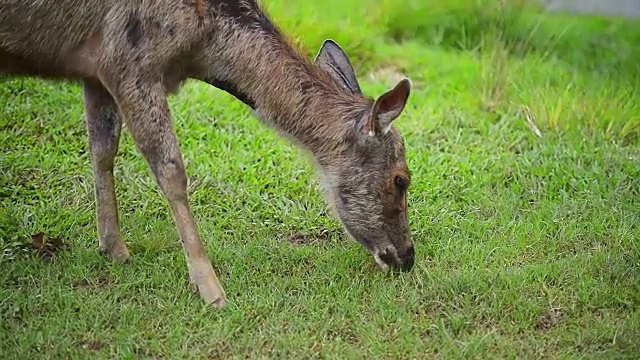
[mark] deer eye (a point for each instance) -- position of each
(401, 183)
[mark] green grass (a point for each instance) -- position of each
(526, 246)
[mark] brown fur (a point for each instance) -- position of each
(129, 54)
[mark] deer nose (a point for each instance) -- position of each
(408, 259)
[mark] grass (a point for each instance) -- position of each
(527, 246)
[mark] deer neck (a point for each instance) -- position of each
(285, 90)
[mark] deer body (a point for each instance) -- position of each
(129, 55)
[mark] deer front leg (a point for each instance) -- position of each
(146, 111)
(103, 124)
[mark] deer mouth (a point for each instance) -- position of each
(389, 257)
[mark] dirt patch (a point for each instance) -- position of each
(82, 285)
(309, 239)
(99, 283)
(93, 345)
(13, 315)
(301, 239)
(46, 247)
(549, 319)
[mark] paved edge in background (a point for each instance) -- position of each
(623, 8)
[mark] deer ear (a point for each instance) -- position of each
(387, 108)
(332, 59)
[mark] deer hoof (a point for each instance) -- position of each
(212, 296)
(118, 253)
(211, 292)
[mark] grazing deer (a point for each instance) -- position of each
(130, 54)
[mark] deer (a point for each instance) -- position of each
(130, 55)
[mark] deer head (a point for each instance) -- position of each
(366, 182)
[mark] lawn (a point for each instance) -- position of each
(523, 139)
